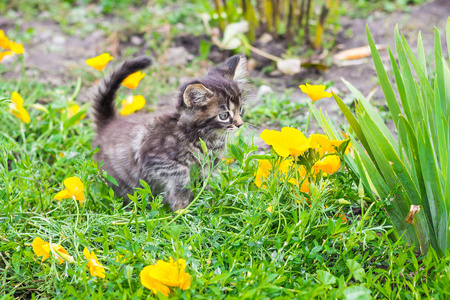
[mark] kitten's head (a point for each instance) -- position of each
(214, 104)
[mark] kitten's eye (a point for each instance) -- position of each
(224, 116)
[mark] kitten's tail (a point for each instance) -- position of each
(103, 109)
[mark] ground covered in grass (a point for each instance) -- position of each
(245, 236)
(238, 240)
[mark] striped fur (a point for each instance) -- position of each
(161, 149)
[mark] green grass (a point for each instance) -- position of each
(233, 246)
(363, 8)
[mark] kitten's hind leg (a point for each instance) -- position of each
(172, 178)
(178, 194)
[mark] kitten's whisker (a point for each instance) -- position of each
(252, 125)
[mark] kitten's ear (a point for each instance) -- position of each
(196, 94)
(235, 68)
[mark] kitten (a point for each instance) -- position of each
(160, 149)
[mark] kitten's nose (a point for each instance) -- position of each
(238, 123)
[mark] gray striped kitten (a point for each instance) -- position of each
(160, 149)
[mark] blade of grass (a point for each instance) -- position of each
(408, 81)
(384, 80)
(369, 109)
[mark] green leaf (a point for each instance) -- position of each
(369, 109)
(421, 54)
(356, 270)
(357, 292)
(203, 146)
(409, 82)
(433, 185)
(74, 119)
(110, 178)
(384, 80)
(400, 85)
(325, 277)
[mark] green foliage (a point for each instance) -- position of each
(278, 110)
(365, 7)
(233, 246)
(412, 171)
(279, 17)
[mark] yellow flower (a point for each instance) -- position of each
(289, 141)
(265, 167)
(74, 189)
(17, 109)
(62, 253)
(228, 161)
(302, 175)
(324, 145)
(305, 186)
(315, 92)
(132, 104)
(7, 44)
(132, 81)
(99, 62)
(159, 277)
(42, 248)
(72, 111)
(16, 47)
(270, 209)
(95, 267)
(262, 172)
(5, 53)
(329, 164)
(4, 41)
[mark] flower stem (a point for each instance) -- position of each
(75, 227)
(307, 122)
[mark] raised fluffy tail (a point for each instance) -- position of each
(103, 108)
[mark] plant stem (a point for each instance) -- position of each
(262, 53)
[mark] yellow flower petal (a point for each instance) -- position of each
(20, 112)
(16, 98)
(132, 81)
(151, 283)
(159, 277)
(95, 267)
(5, 53)
(99, 62)
(289, 141)
(73, 110)
(62, 195)
(262, 172)
(315, 92)
(329, 164)
(270, 209)
(4, 41)
(74, 189)
(324, 145)
(86, 253)
(305, 186)
(132, 104)
(62, 253)
(41, 248)
(16, 47)
(74, 185)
